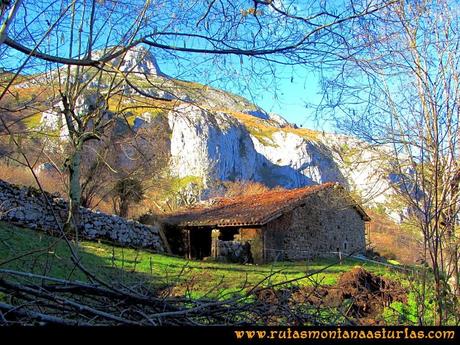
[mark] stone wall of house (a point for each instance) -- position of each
(26, 206)
(275, 238)
(326, 224)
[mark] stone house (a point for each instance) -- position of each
(301, 223)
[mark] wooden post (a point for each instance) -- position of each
(215, 233)
(164, 239)
(187, 244)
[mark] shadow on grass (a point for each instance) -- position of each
(34, 252)
(31, 251)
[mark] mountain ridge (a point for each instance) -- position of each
(218, 136)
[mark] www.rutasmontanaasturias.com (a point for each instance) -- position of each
(339, 333)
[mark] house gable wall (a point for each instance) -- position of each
(323, 225)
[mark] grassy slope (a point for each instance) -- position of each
(263, 130)
(128, 265)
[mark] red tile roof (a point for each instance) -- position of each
(256, 209)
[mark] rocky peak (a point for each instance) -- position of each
(140, 60)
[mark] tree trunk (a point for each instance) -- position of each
(452, 267)
(124, 208)
(73, 215)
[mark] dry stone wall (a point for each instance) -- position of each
(28, 207)
(234, 251)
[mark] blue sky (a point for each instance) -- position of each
(295, 87)
(291, 94)
(295, 99)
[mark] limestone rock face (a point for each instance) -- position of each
(217, 146)
(211, 146)
(54, 119)
(89, 102)
(295, 161)
(139, 60)
(218, 136)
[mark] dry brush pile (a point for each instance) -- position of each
(33, 299)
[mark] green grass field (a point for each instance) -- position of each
(32, 251)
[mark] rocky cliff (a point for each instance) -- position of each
(224, 146)
(219, 146)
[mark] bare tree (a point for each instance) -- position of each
(127, 191)
(401, 90)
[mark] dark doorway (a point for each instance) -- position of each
(228, 234)
(200, 241)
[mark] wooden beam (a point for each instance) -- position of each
(164, 240)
